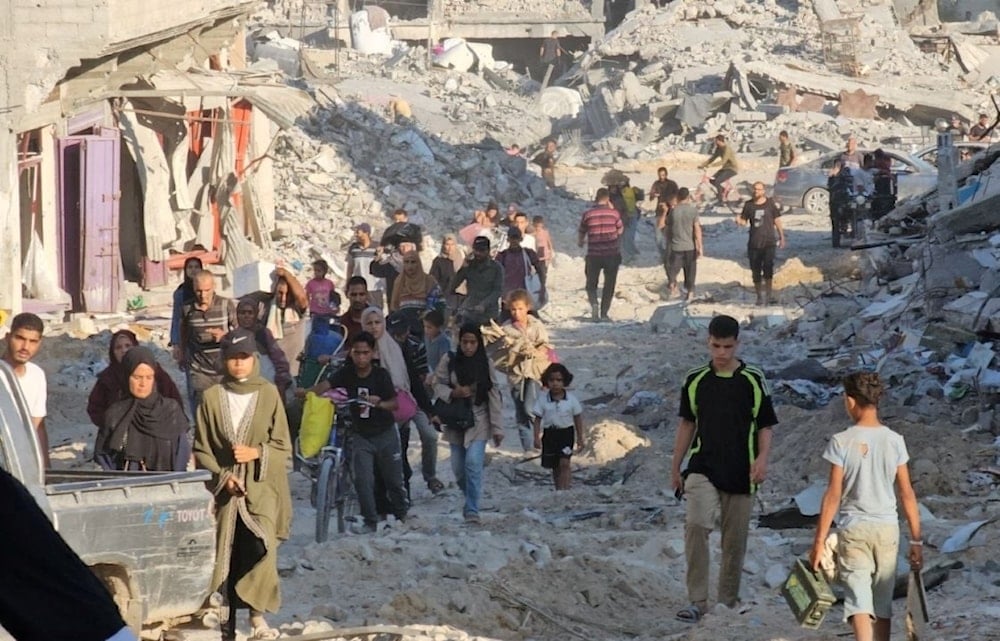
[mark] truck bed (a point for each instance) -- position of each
(159, 526)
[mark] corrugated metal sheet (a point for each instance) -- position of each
(283, 105)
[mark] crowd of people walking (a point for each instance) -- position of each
(431, 348)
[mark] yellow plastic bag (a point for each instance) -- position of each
(317, 421)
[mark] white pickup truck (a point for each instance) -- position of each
(150, 536)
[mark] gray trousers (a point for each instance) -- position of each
(379, 452)
(428, 445)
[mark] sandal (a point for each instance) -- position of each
(689, 614)
(435, 485)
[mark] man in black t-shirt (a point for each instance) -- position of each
(47, 591)
(978, 130)
(663, 189)
(376, 441)
(764, 217)
(726, 417)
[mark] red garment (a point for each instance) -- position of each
(353, 327)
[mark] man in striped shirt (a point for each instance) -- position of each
(601, 229)
(203, 324)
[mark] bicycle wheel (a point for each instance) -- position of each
(326, 485)
(347, 497)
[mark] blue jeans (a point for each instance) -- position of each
(467, 465)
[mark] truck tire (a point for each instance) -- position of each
(326, 489)
(116, 581)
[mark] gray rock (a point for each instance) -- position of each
(809, 369)
(775, 576)
(315, 627)
(329, 611)
(674, 548)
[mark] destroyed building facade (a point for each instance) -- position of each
(130, 132)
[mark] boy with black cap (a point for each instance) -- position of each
(484, 282)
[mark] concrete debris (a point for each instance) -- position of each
(857, 104)
(570, 8)
(370, 32)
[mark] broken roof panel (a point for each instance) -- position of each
(284, 105)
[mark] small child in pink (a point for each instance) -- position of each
(323, 298)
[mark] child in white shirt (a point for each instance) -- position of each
(559, 413)
(866, 461)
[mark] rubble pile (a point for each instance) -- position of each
(458, 106)
(352, 165)
(707, 66)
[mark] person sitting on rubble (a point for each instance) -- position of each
(546, 159)
(884, 185)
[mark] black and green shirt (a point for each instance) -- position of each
(728, 410)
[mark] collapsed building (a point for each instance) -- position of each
(136, 138)
(149, 140)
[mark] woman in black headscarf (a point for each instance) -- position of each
(112, 382)
(145, 431)
(183, 294)
(467, 375)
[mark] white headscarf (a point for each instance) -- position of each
(390, 355)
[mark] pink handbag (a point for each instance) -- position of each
(406, 407)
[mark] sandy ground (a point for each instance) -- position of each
(605, 559)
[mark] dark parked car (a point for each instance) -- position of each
(804, 186)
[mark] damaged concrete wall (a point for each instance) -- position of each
(10, 244)
(581, 8)
(916, 12)
(127, 20)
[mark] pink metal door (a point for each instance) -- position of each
(69, 229)
(89, 259)
(101, 261)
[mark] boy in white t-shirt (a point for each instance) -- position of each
(866, 460)
(22, 343)
(559, 413)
